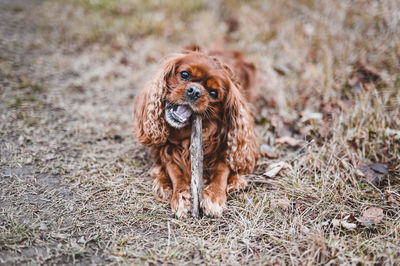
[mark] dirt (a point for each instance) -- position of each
(51, 137)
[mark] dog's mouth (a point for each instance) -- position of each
(178, 115)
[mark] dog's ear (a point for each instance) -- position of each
(150, 127)
(228, 71)
(242, 149)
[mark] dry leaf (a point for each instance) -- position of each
(309, 115)
(283, 203)
(275, 168)
(392, 199)
(380, 168)
(288, 140)
(373, 173)
(373, 215)
(268, 151)
(368, 72)
(345, 223)
(363, 76)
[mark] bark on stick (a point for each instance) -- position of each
(196, 159)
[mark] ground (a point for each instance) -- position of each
(75, 185)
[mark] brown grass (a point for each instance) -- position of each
(75, 186)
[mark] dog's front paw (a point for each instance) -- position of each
(180, 203)
(236, 182)
(213, 203)
(162, 190)
(162, 186)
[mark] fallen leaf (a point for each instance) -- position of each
(368, 72)
(373, 215)
(268, 151)
(283, 203)
(373, 173)
(309, 115)
(347, 225)
(345, 222)
(275, 168)
(288, 140)
(380, 168)
(392, 199)
(363, 76)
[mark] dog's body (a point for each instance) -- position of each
(217, 85)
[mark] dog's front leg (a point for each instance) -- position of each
(214, 194)
(180, 200)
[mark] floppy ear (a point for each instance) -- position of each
(149, 106)
(242, 150)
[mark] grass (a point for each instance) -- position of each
(76, 186)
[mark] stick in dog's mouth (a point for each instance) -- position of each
(196, 159)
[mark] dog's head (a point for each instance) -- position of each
(194, 82)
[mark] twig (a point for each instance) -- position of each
(196, 159)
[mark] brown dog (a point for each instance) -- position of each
(217, 85)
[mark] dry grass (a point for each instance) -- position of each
(75, 186)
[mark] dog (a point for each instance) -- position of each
(219, 86)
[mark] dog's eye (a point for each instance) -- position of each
(214, 94)
(185, 75)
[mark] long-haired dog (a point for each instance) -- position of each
(219, 86)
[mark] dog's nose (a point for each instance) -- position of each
(193, 93)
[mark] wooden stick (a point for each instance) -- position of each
(196, 159)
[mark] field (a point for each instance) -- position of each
(75, 186)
